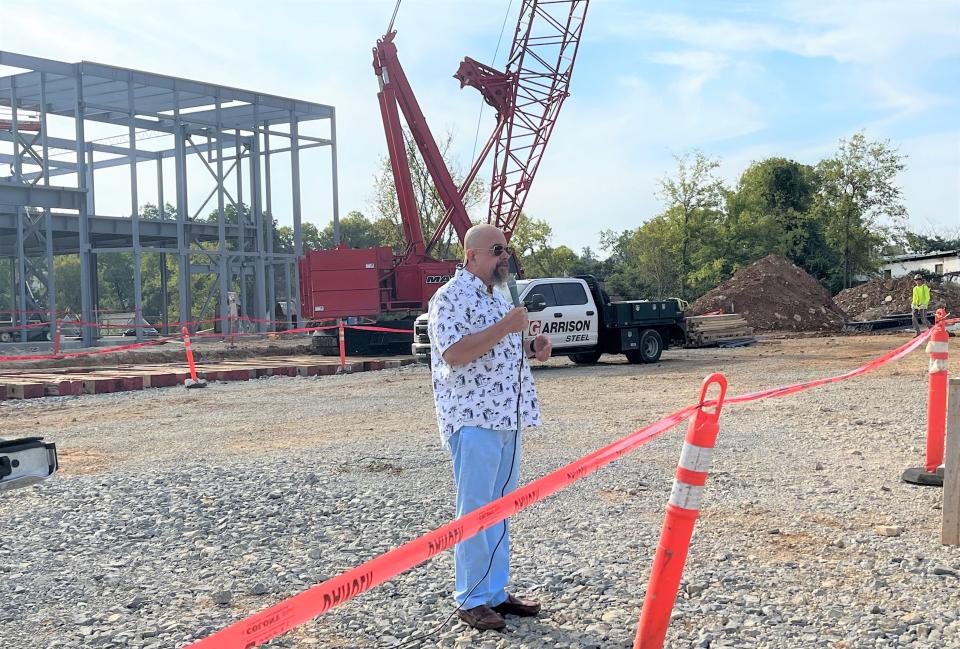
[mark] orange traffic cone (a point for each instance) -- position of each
(682, 512)
(193, 381)
(931, 473)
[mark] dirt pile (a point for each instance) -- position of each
(882, 297)
(773, 294)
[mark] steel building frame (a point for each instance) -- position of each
(216, 124)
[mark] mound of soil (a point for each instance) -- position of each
(882, 297)
(774, 295)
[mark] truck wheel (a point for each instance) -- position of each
(6, 337)
(651, 346)
(586, 358)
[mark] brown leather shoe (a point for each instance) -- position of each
(482, 617)
(517, 606)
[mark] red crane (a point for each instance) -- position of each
(527, 97)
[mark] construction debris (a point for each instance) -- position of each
(720, 329)
(881, 298)
(772, 294)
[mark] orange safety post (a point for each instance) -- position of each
(193, 381)
(682, 511)
(937, 347)
(56, 339)
(343, 348)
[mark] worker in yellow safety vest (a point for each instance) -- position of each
(921, 300)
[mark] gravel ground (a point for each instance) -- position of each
(178, 512)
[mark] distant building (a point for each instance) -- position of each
(941, 262)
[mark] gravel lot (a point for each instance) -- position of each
(176, 512)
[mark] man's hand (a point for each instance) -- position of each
(516, 320)
(542, 347)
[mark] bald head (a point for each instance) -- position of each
(481, 236)
(478, 257)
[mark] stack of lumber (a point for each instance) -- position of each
(712, 330)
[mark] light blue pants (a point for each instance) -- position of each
(481, 466)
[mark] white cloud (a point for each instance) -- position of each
(611, 142)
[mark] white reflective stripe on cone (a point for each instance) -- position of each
(685, 495)
(938, 365)
(695, 458)
(934, 347)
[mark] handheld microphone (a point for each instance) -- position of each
(512, 285)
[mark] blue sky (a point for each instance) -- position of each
(740, 81)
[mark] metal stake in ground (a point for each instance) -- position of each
(950, 528)
(343, 348)
(931, 474)
(193, 381)
(682, 512)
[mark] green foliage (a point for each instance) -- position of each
(356, 230)
(835, 220)
(388, 226)
(858, 205)
(695, 202)
(920, 244)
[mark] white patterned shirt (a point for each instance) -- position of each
(483, 392)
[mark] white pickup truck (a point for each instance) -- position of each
(583, 323)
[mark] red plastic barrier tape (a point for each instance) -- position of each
(92, 352)
(783, 391)
(271, 622)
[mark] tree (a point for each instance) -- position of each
(767, 213)
(356, 230)
(858, 203)
(531, 238)
(920, 243)
(694, 199)
(388, 227)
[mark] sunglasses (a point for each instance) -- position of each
(499, 249)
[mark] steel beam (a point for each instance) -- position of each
(259, 292)
(333, 177)
(135, 223)
(183, 257)
(224, 271)
(47, 215)
(87, 264)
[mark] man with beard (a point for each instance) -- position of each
(473, 329)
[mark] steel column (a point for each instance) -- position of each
(135, 215)
(241, 243)
(183, 257)
(87, 265)
(260, 293)
(47, 216)
(91, 187)
(221, 225)
(297, 234)
(164, 271)
(22, 316)
(333, 173)
(272, 265)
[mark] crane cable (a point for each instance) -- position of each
(394, 16)
(493, 60)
